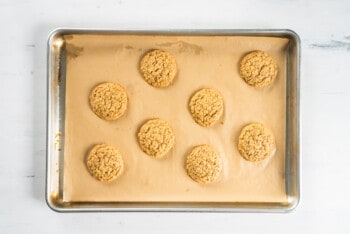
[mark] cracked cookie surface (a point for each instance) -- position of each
(156, 138)
(206, 107)
(258, 69)
(108, 101)
(104, 162)
(256, 142)
(158, 68)
(204, 164)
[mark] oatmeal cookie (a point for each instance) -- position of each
(206, 107)
(108, 101)
(258, 69)
(204, 164)
(105, 163)
(156, 138)
(256, 142)
(158, 68)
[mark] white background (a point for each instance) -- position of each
(324, 27)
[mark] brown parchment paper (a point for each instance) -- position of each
(203, 61)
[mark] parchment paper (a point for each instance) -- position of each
(203, 61)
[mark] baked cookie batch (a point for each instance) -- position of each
(204, 164)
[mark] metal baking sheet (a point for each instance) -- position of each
(56, 129)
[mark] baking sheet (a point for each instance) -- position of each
(203, 61)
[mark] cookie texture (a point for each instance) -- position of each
(204, 164)
(258, 69)
(206, 107)
(256, 142)
(105, 163)
(156, 138)
(108, 101)
(158, 68)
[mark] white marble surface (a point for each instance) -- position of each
(324, 27)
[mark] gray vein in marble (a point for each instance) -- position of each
(332, 44)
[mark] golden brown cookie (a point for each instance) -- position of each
(258, 69)
(158, 68)
(108, 101)
(206, 107)
(105, 163)
(204, 164)
(256, 142)
(156, 138)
